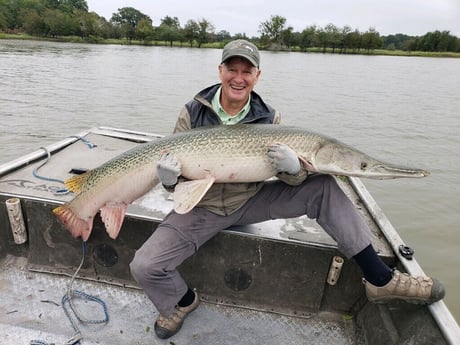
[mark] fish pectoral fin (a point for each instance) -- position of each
(306, 164)
(76, 225)
(188, 194)
(112, 215)
(74, 183)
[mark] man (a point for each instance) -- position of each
(293, 194)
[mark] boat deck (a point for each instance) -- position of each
(31, 310)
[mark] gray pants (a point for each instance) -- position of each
(180, 235)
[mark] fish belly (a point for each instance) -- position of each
(227, 170)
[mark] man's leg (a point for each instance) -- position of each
(154, 266)
(321, 198)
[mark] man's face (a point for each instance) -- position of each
(238, 77)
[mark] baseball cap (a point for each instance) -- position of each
(243, 49)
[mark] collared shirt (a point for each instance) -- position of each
(224, 116)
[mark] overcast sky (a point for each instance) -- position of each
(412, 17)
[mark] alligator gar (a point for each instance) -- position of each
(208, 155)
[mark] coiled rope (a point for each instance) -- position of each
(72, 313)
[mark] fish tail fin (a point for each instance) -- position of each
(75, 183)
(73, 223)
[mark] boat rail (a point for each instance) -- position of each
(439, 310)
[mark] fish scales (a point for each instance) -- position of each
(234, 148)
(210, 154)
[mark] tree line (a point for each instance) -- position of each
(57, 18)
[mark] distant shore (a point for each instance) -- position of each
(218, 45)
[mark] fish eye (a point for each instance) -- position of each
(363, 165)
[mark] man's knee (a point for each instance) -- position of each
(144, 269)
(137, 268)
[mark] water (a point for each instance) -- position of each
(403, 110)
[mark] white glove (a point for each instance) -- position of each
(168, 169)
(283, 159)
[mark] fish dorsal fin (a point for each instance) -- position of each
(74, 183)
(112, 215)
(188, 194)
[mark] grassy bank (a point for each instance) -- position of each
(217, 45)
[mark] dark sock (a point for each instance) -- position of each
(375, 271)
(187, 299)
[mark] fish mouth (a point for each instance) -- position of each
(406, 171)
(389, 171)
(379, 171)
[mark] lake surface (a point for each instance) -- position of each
(399, 109)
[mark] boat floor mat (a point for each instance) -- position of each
(31, 307)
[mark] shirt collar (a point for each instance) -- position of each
(224, 116)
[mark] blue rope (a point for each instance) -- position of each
(35, 171)
(66, 301)
(85, 141)
(68, 307)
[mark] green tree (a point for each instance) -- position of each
(89, 23)
(438, 41)
(169, 30)
(242, 36)
(81, 5)
(288, 37)
(3, 25)
(397, 41)
(191, 31)
(430, 41)
(59, 23)
(323, 38)
(345, 41)
(69, 6)
(223, 36)
(11, 13)
(127, 18)
(355, 40)
(371, 40)
(333, 35)
(102, 27)
(411, 44)
(308, 38)
(33, 23)
(144, 30)
(271, 29)
(447, 42)
(205, 32)
(31, 17)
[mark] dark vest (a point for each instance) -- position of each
(202, 114)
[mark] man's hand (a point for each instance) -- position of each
(168, 169)
(283, 159)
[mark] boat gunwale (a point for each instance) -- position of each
(442, 315)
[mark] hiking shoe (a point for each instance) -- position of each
(417, 290)
(166, 327)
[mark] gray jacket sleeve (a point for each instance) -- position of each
(183, 122)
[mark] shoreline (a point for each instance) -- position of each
(219, 45)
